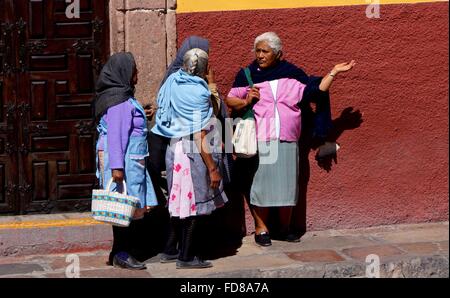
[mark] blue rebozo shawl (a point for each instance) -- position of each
(312, 93)
(184, 106)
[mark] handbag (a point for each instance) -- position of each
(244, 137)
(113, 207)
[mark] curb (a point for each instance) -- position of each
(52, 234)
(409, 267)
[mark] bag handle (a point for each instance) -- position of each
(249, 114)
(249, 77)
(110, 183)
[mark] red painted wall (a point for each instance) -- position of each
(394, 167)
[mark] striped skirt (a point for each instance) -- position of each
(276, 181)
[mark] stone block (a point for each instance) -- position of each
(119, 45)
(404, 233)
(10, 269)
(443, 246)
(171, 4)
(145, 4)
(425, 234)
(171, 29)
(425, 248)
(114, 273)
(19, 276)
(417, 267)
(56, 275)
(120, 21)
(295, 271)
(86, 262)
(360, 253)
(54, 240)
(12, 260)
(146, 39)
(117, 31)
(117, 4)
(345, 270)
(320, 242)
(315, 256)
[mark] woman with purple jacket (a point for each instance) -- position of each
(122, 147)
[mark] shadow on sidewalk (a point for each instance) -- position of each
(217, 235)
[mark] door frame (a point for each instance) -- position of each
(8, 109)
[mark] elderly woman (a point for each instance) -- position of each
(122, 148)
(194, 167)
(158, 143)
(279, 89)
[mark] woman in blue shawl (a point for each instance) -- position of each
(194, 161)
(158, 143)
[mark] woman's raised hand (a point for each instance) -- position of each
(343, 67)
(210, 76)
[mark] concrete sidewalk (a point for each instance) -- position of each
(414, 250)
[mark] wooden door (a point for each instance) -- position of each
(56, 60)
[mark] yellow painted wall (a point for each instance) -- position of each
(188, 6)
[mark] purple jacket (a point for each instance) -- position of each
(123, 121)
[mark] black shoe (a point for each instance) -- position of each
(166, 258)
(263, 239)
(196, 263)
(125, 261)
(288, 237)
(292, 238)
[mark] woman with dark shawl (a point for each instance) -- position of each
(280, 89)
(122, 147)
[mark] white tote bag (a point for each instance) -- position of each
(113, 207)
(244, 138)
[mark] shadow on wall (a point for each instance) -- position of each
(223, 230)
(349, 119)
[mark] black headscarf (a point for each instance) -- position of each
(189, 43)
(114, 83)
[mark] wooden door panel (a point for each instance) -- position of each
(37, 19)
(48, 67)
(48, 63)
(61, 61)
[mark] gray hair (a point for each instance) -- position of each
(272, 39)
(195, 62)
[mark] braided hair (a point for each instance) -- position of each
(195, 62)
